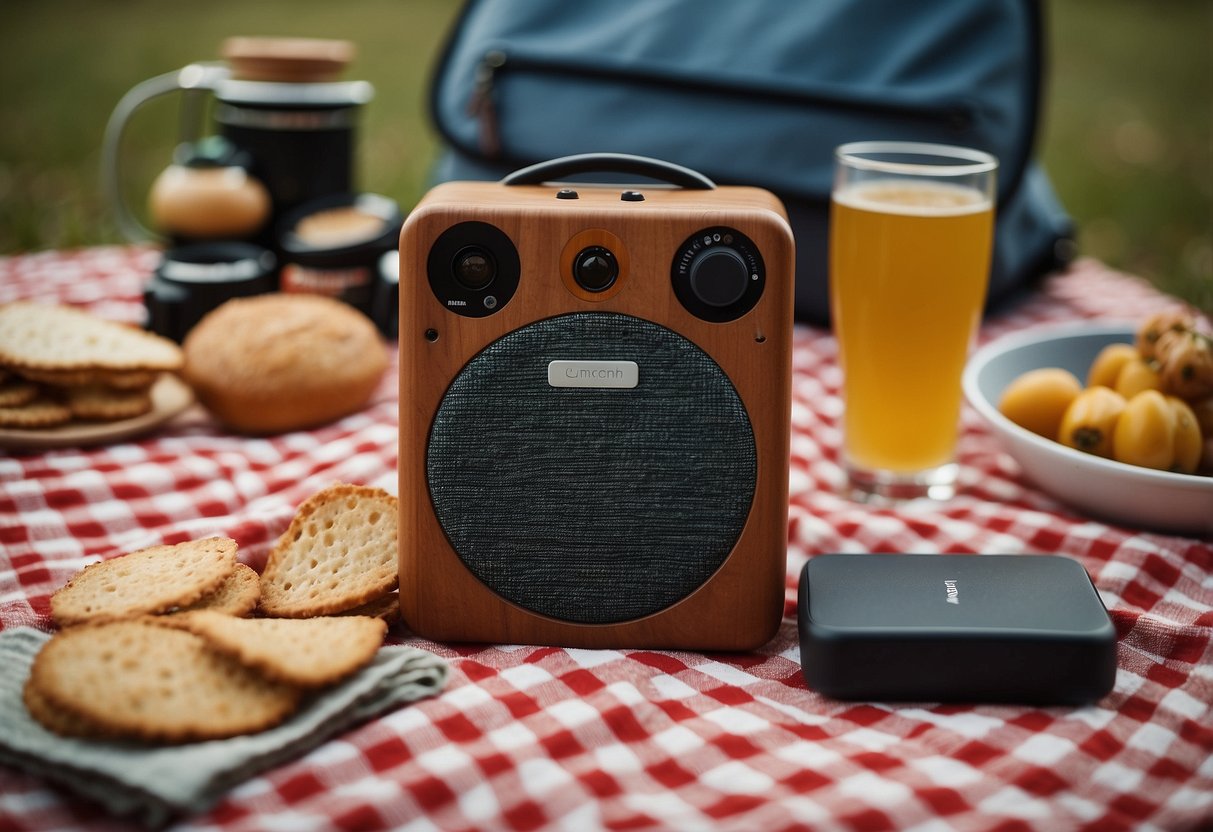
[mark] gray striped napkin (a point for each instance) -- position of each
(155, 783)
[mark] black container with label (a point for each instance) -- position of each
(191, 280)
(333, 246)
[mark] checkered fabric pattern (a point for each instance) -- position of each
(541, 737)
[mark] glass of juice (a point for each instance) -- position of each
(911, 232)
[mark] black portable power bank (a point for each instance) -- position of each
(954, 628)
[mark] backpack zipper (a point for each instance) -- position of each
(481, 106)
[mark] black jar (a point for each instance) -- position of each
(333, 246)
(192, 280)
(301, 137)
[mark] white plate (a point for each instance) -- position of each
(1123, 494)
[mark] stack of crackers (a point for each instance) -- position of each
(58, 364)
(155, 645)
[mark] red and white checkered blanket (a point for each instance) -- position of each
(543, 737)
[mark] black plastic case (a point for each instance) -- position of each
(954, 628)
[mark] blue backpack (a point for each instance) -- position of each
(758, 92)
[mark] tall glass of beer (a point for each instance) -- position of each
(911, 232)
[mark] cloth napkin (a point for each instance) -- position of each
(155, 783)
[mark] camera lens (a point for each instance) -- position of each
(595, 269)
(474, 268)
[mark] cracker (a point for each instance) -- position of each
(308, 652)
(55, 719)
(117, 379)
(237, 595)
(151, 580)
(46, 337)
(15, 392)
(41, 412)
(145, 681)
(129, 379)
(386, 608)
(105, 404)
(338, 552)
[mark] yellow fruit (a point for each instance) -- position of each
(1158, 324)
(1108, 364)
(1188, 439)
(1185, 364)
(1038, 399)
(1090, 421)
(1134, 377)
(1203, 408)
(1145, 432)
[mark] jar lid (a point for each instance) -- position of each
(296, 60)
(339, 226)
(216, 263)
(277, 94)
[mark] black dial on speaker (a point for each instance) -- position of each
(718, 274)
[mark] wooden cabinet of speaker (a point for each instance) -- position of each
(594, 415)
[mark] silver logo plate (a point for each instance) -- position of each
(615, 374)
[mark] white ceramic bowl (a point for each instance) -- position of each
(1123, 494)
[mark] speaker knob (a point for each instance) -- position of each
(719, 276)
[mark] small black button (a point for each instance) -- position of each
(595, 269)
(566, 193)
(632, 196)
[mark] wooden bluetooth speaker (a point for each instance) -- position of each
(594, 410)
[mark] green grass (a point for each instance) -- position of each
(64, 64)
(1126, 135)
(1128, 139)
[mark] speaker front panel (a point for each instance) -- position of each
(591, 469)
(586, 503)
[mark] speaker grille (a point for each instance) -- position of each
(592, 505)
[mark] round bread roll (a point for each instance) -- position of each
(280, 362)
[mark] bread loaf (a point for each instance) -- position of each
(281, 362)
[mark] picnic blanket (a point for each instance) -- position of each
(543, 737)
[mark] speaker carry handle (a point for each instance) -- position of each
(610, 163)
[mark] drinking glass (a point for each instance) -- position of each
(911, 232)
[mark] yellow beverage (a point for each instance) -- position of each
(909, 264)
